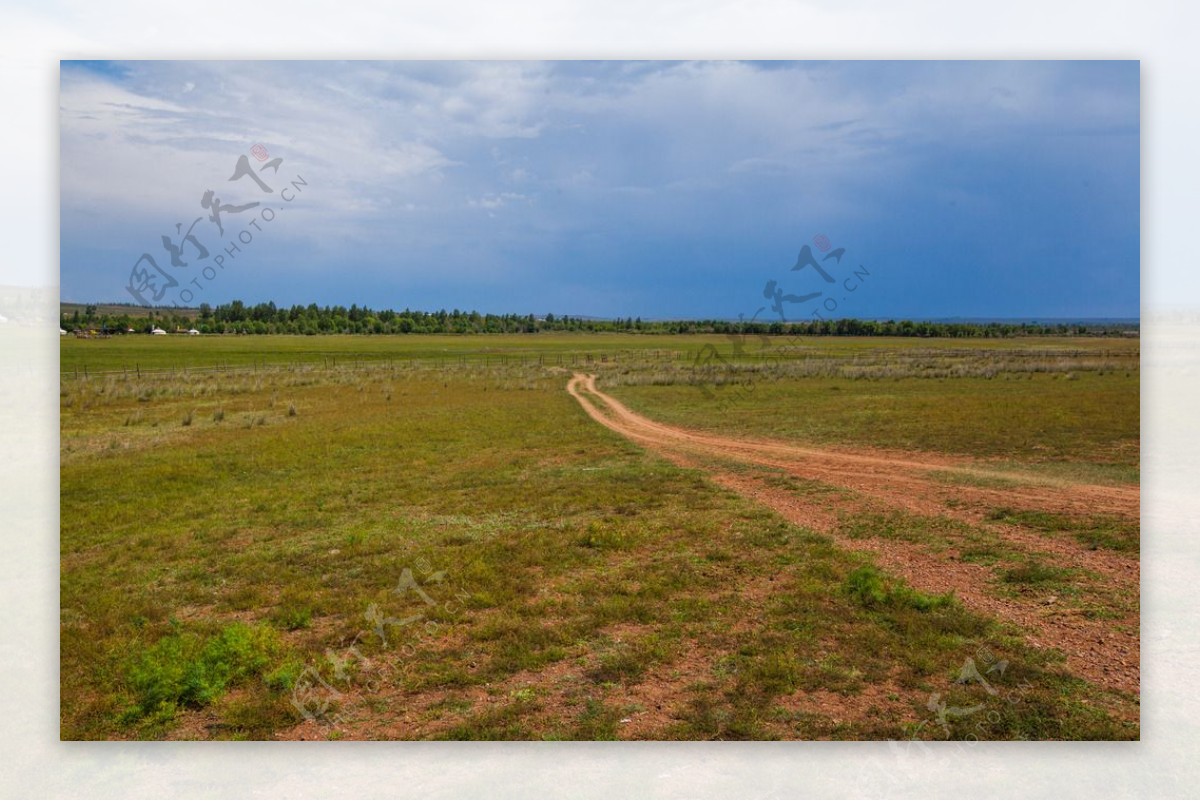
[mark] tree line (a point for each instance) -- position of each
(266, 318)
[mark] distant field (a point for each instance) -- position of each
(177, 351)
(1064, 408)
(427, 537)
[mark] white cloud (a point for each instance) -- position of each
(404, 157)
(496, 201)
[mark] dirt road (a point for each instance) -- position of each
(1102, 648)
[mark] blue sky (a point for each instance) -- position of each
(661, 189)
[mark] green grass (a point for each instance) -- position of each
(1042, 418)
(1014, 569)
(630, 660)
(939, 535)
(1067, 415)
(872, 589)
(1037, 574)
(128, 354)
(963, 478)
(1094, 531)
(573, 577)
(188, 669)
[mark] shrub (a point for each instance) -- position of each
(185, 669)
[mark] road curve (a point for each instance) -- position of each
(1102, 651)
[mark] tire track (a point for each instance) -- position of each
(1103, 652)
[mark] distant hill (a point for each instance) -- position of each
(129, 309)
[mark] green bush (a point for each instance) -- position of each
(185, 669)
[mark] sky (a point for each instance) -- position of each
(919, 189)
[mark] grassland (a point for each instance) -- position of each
(130, 354)
(426, 537)
(1070, 410)
(650, 353)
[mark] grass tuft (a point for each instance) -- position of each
(1035, 574)
(292, 616)
(1094, 531)
(873, 590)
